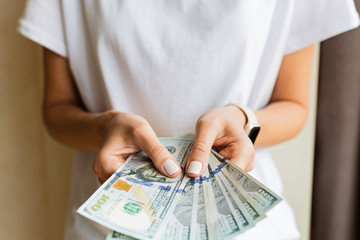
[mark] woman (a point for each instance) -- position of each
(121, 73)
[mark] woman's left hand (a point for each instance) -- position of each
(223, 130)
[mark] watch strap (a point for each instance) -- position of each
(252, 126)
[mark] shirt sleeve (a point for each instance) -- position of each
(316, 20)
(42, 23)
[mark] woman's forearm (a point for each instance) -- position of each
(286, 113)
(75, 127)
(63, 111)
(279, 122)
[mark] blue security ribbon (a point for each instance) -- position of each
(140, 182)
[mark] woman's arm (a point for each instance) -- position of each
(286, 113)
(63, 112)
(284, 116)
(115, 135)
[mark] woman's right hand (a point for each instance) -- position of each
(116, 134)
(125, 134)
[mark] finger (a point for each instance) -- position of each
(105, 165)
(241, 153)
(101, 180)
(161, 157)
(199, 156)
(111, 156)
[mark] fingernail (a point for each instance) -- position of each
(170, 166)
(195, 167)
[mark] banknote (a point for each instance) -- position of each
(180, 223)
(211, 210)
(240, 196)
(199, 200)
(137, 199)
(234, 218)
(141, 203)
(194, 212)
(264, 197)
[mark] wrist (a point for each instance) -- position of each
(240, 115)
(105, 120)
(252, 126)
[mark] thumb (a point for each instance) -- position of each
(199, 156)
(161, 157)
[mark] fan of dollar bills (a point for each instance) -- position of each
(138, 202)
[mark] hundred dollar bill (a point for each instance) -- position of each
(233, 217)
(137, 199)
(240, 196)
(211, 210)
(180, 223)
(194, 212)
(202, 229)
(266, 198)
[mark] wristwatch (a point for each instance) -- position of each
(252, 126)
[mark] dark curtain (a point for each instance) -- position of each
(336, 201)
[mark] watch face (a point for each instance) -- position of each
(253, 133)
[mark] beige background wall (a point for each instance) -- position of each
(22, 163)
(35, 171)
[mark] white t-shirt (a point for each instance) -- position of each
(171, 61)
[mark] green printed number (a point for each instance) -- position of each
(102, 200)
